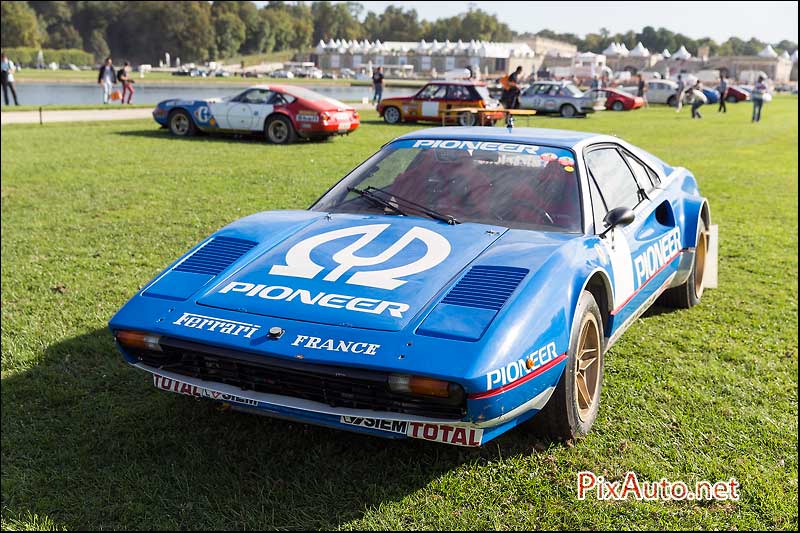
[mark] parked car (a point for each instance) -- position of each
(618, 100)
(737, 93)
(281, 113)
(438, 96)
(712, 95)
(457, 284)
(658, 92)
(560, 97)
(285, 74)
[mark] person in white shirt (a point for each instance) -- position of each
(7, 79)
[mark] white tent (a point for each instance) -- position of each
(682, 53)
(612, 50)
(640, 51)
(768, 51)
(794, 57)
(623, 50)
(666, 53)
(785, 55)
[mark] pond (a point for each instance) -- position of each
(89, 93)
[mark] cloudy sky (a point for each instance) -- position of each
(767, 21)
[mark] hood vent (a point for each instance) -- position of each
(215, 256)
(485, 287)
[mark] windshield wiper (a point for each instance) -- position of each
(369, 195)
(450, 219)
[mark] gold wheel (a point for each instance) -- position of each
(700, 263)
(587, 367)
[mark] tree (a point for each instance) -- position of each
(18, 25)
(56, 19)
(98, 46)
(230, 34)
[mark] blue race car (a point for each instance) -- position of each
(451, 287)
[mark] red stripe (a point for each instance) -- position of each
(623, 304)
(540, 370)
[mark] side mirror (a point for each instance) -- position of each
(619, 216)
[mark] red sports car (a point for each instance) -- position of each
(736, 94)
(281, 113)
(617, 100)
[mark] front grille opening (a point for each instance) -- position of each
(333, 386)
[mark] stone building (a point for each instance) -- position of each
(426, 59)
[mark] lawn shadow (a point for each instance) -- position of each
(238, 138)
(89, 442)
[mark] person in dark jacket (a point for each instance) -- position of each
(723, 92)
(107, 78)
(511, 89)
(377, 85)
(7, 79)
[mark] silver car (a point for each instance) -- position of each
(559, 97)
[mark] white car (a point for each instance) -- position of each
(658, 91)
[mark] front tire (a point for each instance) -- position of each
(672, 101)
(731, 99)
(689, 294)
(391, 115)
(181, 124)
(568, 111)
(279, 130)
(618, 106)
(573, 407)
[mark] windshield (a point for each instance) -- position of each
(513, 185)
(484, 93)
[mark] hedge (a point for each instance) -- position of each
(26, 57)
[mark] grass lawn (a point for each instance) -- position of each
(91, 212)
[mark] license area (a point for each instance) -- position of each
(343, 118)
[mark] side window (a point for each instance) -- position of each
(432, 91)
(599, 207)
(255, 96)
(640, 171)
(458, 92)
(613, 178)
(277, 99)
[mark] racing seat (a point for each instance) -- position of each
(552, 190)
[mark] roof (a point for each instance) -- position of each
(456, 82)
(545, 136)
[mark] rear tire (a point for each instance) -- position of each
(573, 407)
(568, 111)
(279, 130)
(672, 101)
(181, 124)
(689, 294)
(731, 99)
(391, 115)
(466, 119)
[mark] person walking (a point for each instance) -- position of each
(123, 76)
(511, 90)
(760, 94)
(723, 92)
(377, 85)
(698, 99)
(107, 78)
(679, 94)
(7, 79)
(641, 90)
